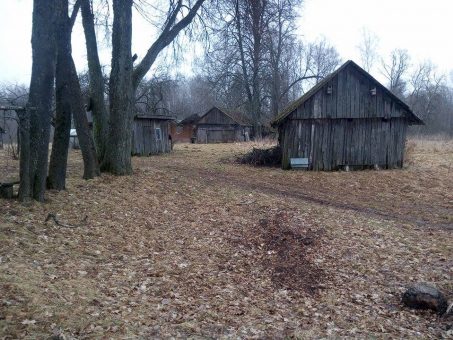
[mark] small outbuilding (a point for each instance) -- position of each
(348, 120)
(221, 126)
(185, 130)
(151, 134)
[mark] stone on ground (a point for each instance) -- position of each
(425, 296)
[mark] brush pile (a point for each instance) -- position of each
(262, 157)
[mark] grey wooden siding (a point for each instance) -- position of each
(332, 144)
(217, 127)
(145, 140)
(346, 127)
(213, 133)
(350, 98)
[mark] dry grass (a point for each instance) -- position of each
(194, 245)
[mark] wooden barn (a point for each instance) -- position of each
(220, 126)
(185, 130)
(347, 121)
(151, 134)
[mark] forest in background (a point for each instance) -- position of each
(255, 61)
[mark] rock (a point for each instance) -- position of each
(425, 296)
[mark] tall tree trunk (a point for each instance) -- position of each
(24, 152)
(257, 12)
(118, 152)
(69, 102)
(251, 79)
(97, 102)
(84, 135)
(59, 155)
(33, 175)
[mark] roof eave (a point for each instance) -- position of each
(416, 121)
(157, 117)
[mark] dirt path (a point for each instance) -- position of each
(311, 196)
(434, 211)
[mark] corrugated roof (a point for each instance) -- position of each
(295, 104)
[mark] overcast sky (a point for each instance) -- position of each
(422, 27)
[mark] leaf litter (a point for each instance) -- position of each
(191, 245)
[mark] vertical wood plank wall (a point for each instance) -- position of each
(216, 127)
(348, 127)
(333, 144)
(144, 141)
(212, 133)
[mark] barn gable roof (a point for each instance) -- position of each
(190, 119)
(237, 117)
(295, 104)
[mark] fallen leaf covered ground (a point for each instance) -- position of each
(195, 245)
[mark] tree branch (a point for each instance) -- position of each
(169, 33)
(75, 11)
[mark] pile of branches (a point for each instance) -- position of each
(262, 157)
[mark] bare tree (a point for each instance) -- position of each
(368, 49)
(176, 96)
(124, 79)
(282, 44)
(256, 62)
(236, 60)
(395, 70)
(158, 95)
(428, 95)
(248, 55)
(322, 59)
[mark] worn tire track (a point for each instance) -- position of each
(219, 178)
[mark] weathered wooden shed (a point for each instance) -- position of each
(348, 120)
(151, 134)
(185, 130)
(221, 126)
